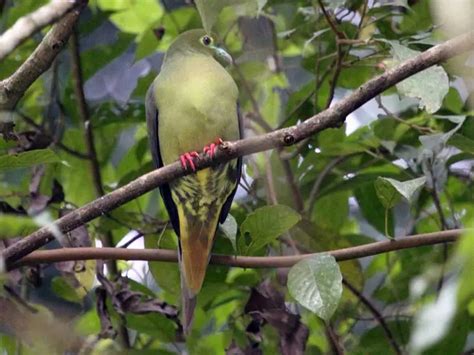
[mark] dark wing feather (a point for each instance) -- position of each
(236, 174)
(152, 115)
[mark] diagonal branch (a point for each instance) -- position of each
(28, 25)
(13, 88)
(332, 117)
(360, 251)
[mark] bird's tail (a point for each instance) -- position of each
(188, 306)
(196, 239)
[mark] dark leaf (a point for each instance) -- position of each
(125, 300)
(234, 349)
(106, 328)
(267, 305)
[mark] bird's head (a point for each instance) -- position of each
(198, 41)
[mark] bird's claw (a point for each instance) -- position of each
(211, 148)
(188, 159)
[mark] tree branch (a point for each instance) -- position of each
(63, 254)
(28, 25)
(14, 87)
(332, 117)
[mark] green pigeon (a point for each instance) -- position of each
(191, 106)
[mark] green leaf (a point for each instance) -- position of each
(430, 86)
(436, 142)
(266, 224)
(386, 193)
(260, 5)
(229, 229)
(372, 209)
(331, 211)
(64, 290)
(316, 283)
(27, 159)
(113, 5)
(165, 274)
(138, 16)
(462, 143)
(153, 324)
(465, 256)
(209, 10)
(385, 187)
(16, 226)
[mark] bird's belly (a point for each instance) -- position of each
(193, 131)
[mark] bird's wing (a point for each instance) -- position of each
(152, 116)
(228, 203)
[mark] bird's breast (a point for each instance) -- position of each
(197, 103)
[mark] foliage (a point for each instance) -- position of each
(401, 165)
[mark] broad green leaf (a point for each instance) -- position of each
(267, 223)
(16, 226)
(27, 159)
(88, 323)
(465, 255)
(331, 211)
(209, 10)
(436, 142)
(430, 86)
(114, 5)
(463, 143)
(406, 189)
(63, 289)
(165, 274)
(152, 324)
(138, 17)
(386, 193)
(316, 283)
(229, 229)
(372, 209)
(260, 5)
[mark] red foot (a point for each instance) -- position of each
(211, 148)
(188, 159)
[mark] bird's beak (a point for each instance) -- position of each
(224, 58)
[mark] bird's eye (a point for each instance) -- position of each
(206, 40)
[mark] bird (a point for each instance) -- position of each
(192, 105)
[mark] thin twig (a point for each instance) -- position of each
(333, 339)
(295, 191)
(60, 145)
(340, 36)
(84, 114)
(377, 315)
(330, 22)
(389, 113)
